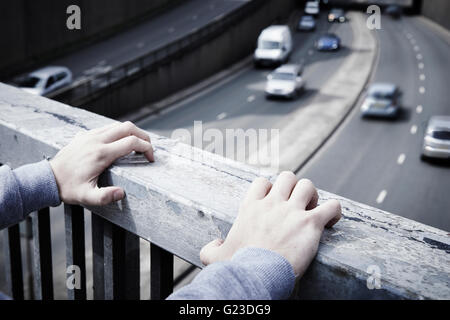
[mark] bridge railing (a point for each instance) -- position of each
(184, 200)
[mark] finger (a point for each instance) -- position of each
(123, 130)
(100, 130)
(103, 196)
(258, 189)
(210, 252)
(283, 186)
(126, 145)
(328, 213)
(304, 195)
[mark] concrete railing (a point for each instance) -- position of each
(189, 197)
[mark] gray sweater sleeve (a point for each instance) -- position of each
(252, 274)
(24, 190)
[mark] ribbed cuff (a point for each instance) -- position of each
(275, 272)
(37, 186)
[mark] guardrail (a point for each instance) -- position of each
(189, 197)
(82, 90)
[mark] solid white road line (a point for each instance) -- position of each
(413, 129)
(401, 158)
(381, 196)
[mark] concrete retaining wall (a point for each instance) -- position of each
(232, 45)
(35, 31)
(438, 11)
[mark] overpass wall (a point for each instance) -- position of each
(34, 31)
(213, 55)
(438, 11)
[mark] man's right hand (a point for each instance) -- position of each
(283, 218)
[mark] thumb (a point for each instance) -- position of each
(103, 196)
(210, 252)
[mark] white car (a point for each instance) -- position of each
(312, 8)
(436, 142)
(285, 81)
(274, 46)
(45, 80)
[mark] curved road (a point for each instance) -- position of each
(145, 37)
(377, 162)
(239, 100)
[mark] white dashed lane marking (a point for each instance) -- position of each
(422, 90)
(421, 65)
(413, 129)
(419, 56)
(251, 98)
(419, 109)
(422, 77)
(381, 196)
(221, 116)
(401, 158)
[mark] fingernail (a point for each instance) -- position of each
(118, 195)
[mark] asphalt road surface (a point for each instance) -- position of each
(145, 37)
(239, 100)
(378, 162)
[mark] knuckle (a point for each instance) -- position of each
(335, 206)
(288, 174)
(128, 126)
(307, 183)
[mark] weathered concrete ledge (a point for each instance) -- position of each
(188, 197)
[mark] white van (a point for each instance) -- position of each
(274, 46)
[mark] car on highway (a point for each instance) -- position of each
(312, 8)
(394, 11)
(45, 80)
(436, 142)
(306, 23)
(286, 81)
(382, 100)
(328, 42)
(274, 46)
(336, 15)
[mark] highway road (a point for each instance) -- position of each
(145, 37)
(239, 100)
(370, 161)
(377, 162)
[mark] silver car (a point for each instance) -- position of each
(436, 143)
(46, 80)
(285, 81)
(382, 100)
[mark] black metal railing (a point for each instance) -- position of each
(116, 260)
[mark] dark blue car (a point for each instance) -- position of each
(328, 42)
